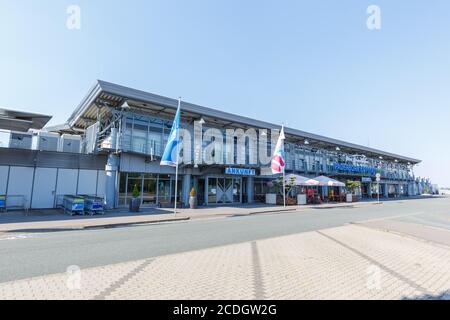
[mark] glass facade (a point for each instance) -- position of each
(155, 189)
(147, 135)
(144, 134)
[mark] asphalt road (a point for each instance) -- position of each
(24, 256)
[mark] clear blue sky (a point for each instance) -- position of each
(311, 64)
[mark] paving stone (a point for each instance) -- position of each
(338, 263)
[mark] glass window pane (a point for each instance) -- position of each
(178, 190)
(212, 190)
(164, 190)
(149, 176)
(122, 188)
(237, 190)
(149, 192)
(134, 175)
(139, 140)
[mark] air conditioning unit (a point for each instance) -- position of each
(70, 143)
(45, 141)
(5, 136)
(20, 140)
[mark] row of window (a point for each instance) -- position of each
(148, 136)
(153, 188)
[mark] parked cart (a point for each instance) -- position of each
(2, 203)
(73, 204)
(93, 205)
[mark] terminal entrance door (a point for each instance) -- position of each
(224, 190)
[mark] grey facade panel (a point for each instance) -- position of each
(32, 158)
(135, 163)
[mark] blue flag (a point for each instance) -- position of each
(170, 155)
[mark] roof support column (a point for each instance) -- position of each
(111, 169)
(186, 188)
(249, 186)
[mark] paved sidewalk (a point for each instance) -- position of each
(55, 220)
(423, 232)
(349, 262)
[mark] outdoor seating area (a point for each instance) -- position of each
(301, 190)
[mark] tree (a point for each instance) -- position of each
(135, 193)
(352, 185)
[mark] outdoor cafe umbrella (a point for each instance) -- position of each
(299, 180)
(324, 181)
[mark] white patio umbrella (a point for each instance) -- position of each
(324, 181)
(299, 180)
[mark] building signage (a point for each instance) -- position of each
(240, 171)
(366, 179)
(354, 169)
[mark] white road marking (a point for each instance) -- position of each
(393, 217)
(426, 223)
(18, 237)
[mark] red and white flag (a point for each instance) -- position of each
(278, 155)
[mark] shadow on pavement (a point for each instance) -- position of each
(445, 295)
(59, 215)
(43, 230)
(350, 206)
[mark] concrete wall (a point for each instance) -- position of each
(3, 178)
(20, 183)
(42, 188)
(87, 182)
(38, 180)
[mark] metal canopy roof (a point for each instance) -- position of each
(114, 95)
(22, 121)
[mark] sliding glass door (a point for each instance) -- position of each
(224, 190)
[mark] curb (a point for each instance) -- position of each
(93, 227)
(273, 211)
(124, 224)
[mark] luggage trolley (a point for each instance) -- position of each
(93, 205)
(2, 203)
(73, 204)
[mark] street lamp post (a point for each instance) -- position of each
(378, 178)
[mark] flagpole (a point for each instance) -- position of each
(176, 168)
(278, 161)
(284, 186)
(284, 175)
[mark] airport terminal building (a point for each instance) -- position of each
(115, 137)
